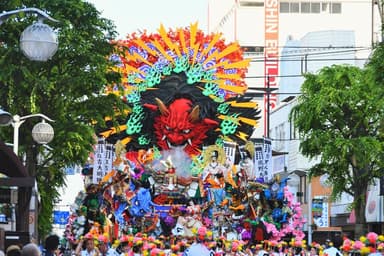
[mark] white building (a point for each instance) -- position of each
(264, 27)
(286, 38)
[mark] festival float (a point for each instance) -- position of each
(183, 157)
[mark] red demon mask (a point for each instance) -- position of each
(179, 125)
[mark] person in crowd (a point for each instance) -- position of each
(30, 249)
(198, 248)
(380, 248)
(89, 246)
(51, 246)
(124, 247)
(331, 250)
(314, 251)
(103, 247)
(13, 250)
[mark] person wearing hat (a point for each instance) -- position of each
(103, 247)
(125, 245)
(13, 250)
(86, 246)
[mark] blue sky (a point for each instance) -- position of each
(130, 16)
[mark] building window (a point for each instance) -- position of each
(315, 7)
(305, 7)
(294, 7)
(284, 7)
(324, 7)
(280, 135)
(252, 3)
(310, 7)
(336, 8)
(293, 132)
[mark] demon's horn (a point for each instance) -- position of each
(194, 115)
(163, 109)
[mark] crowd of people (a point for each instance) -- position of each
(203, 244)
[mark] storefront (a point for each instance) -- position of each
(13, 175)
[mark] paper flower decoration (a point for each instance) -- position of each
(211, 72)
(204, 58)
(372, 237)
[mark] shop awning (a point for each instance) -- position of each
(10, 164)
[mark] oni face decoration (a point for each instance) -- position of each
(184, 89)
(179, 125)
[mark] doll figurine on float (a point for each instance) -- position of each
(213, 177)
(170, 174)
(246, 163)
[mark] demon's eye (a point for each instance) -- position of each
(167, 128)
(186, 131)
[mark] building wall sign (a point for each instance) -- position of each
(271, 55)
(320, 212)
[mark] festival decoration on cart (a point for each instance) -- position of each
(185, 89)
(172, 173)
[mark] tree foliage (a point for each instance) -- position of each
(338, 117)
(69, 88)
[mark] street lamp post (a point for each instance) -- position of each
(309, 212)
(38, 42)
(304, 173)
(42, 132)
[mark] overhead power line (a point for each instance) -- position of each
(308, 54)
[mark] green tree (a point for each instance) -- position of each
(69, 88)
(338, 117)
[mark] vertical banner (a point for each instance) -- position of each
(263, 159)
(271, 57)
(98, 162)
(320, 212)
(372, 209)
(230, 151)
(102, 160)
(267, 157)
(108, 158)
(259, 162)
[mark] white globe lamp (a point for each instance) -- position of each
(39, 42)
(42, 132)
